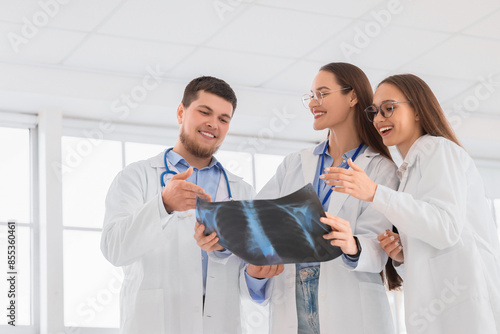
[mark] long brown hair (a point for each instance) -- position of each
(425, 103)
(432, 120)
(350, 76)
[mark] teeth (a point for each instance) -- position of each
(316, 113)
(207, 134)
(387, 128)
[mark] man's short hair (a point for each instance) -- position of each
(210, 85)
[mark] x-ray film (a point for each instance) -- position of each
(264, 232)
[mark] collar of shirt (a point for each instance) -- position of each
(327, 163)
(411, 156)
(318, 150)
(208, 177)
(181, 164)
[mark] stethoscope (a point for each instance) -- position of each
(322, 165)
(168, 171)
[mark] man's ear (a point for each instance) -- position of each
(180, 113)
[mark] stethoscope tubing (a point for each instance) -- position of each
(168, 171)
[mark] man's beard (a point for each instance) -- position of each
(193, 148)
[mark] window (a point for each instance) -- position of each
(91, 284)
(15, 206)
(265, 168)
(239, 163)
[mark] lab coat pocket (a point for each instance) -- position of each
(460, 292)
(455, 275)
(149, 312)
(375, 308)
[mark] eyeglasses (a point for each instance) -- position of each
(386, 109)
(318, 96)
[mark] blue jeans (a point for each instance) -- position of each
(306, 296)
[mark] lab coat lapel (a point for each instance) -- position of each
(404, 180)
(337, 199)
(309, 164)
(222, 193)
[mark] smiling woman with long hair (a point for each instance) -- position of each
(347, 294)
(447, 244)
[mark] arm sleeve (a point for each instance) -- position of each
(435, 213)
(256, 287)
(132, 225)
(371, 223)
(220, 256)
(351, 261)
(263, 293)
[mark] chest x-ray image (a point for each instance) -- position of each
(265, 232)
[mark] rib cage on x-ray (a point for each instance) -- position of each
(262, 232)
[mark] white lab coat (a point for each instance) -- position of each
(350, 300)
(163, 287)
(451, 249)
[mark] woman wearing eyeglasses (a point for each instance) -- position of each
(347, 294)
(447, 238)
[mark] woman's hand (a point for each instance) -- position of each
(265, 271)
(353, 181)
(341, 234)
(391, 244)
(206, 242)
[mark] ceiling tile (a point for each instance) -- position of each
(351, 9)
(46, 46)
(14, 11)
(389, 49)
(443, 15)
(488, 27)
(276, 32)
(460, 57)
(126, 55)
(269, 50)
(82, 15)
(296, 78)
(169, 21)
(236, 68)
(445, 89)
(375, 75)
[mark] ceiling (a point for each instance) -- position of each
(84, 57)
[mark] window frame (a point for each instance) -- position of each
(29, 122)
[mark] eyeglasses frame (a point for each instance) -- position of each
(311, 96)
(379, 109)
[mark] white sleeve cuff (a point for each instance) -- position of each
(382, 198)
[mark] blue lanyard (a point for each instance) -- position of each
(168, 171)
(322, 165)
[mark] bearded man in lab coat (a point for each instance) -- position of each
(170, 284)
